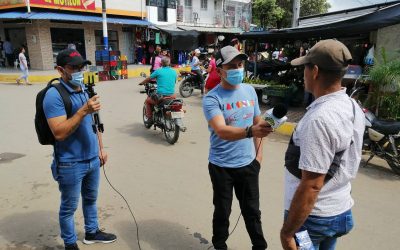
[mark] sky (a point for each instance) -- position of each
(348, 4)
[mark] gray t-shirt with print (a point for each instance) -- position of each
(328, 128)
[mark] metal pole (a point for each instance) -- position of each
(296, 13)
(28, 5)
(105, 30)
(255, 60)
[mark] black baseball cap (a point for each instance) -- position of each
(71, 57)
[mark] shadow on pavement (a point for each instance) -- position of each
(378, 172)
(160, 234)
(35, 230)
(138, 130)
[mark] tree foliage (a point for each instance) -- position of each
(279, 13)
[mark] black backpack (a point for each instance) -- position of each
(45, 136)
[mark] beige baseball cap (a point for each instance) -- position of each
(328, 54)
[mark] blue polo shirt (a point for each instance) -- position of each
(82, 144)
(166, 79)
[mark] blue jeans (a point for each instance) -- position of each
(324, 231)
(75, 179)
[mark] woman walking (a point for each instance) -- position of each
(23, 64)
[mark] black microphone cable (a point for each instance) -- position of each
(126, 202)
(109, 182)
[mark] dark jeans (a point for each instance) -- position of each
(200, 79)
(245, 182)
(10, 59)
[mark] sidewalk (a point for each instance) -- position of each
(9, 75)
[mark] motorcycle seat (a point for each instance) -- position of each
(166, 100)
(386, 127)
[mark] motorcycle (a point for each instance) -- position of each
(167, 114)
(190, 82)
(381, 138)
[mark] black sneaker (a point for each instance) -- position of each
(99, 237)
(72, 247)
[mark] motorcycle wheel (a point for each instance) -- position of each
(394, 165)
(185, 88)
(146, 122)
(171, 131)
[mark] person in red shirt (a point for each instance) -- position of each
(213, 77)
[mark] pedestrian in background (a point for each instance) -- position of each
(23, 65)
(195, 68)
(324, 153)
(213, 77)
(9, 51)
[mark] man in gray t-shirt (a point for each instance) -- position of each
(323, 154)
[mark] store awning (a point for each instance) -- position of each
(181, 39)
(212, 29)
(363, 24)
(71, 17)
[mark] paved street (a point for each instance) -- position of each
(167, 186)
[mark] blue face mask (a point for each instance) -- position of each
(77, 79)
(234, 76)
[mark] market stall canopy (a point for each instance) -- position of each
(212, 29)
(380, 18)
(70, 17)
(181, 39)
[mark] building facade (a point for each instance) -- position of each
(45, 27)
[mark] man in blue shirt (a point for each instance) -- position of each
(232, 112)
(166, 78)
(78, 151)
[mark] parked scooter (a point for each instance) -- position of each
(167, 114)
(381, 138)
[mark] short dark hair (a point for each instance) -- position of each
(329, 76)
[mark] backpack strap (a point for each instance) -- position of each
(64, 95)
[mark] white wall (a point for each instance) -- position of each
(206, 15)
(152, 16)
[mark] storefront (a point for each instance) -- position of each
(52, 26)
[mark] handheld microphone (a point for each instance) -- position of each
(276, 116)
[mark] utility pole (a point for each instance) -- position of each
(105, 30)
(28, 5)
(296, 13)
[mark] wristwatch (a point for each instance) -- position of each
(249, 131)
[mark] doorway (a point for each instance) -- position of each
(67, 38)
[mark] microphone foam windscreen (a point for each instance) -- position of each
(279, 111)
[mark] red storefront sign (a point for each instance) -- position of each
(66, 4)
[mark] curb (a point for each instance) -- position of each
(11, 78)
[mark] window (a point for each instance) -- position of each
(112, 39)
(203, 4)
(162, 14)
(188, 3)
(162, 10)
